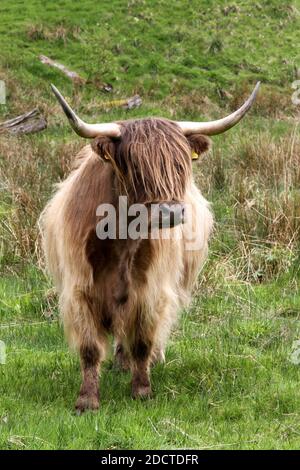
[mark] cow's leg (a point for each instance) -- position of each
(158, 355)
(141, 350)
(140, 385)
(167, 313)
(121, 357)
(85, 333)
(88, 399)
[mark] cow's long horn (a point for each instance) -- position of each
(222, 125)
(82, 128)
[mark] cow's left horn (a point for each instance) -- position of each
(222, 125)
(82, 128)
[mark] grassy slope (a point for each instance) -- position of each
(228, 382)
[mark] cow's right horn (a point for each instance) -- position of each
(83, 129)
(222, 125)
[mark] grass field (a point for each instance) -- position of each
(230, 381)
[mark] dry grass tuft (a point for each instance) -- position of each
(260, 183)
(28, 169)
(36, 32)
(266, 184)
(272, 103)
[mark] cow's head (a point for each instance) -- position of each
(152, 157)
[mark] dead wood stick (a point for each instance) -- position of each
(129, 103)
(134, 102)
(74, 76)
(69, 73)
(27, 123)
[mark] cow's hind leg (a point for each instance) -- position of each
(121, 357)
(141, 354)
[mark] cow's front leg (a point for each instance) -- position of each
(89, 391)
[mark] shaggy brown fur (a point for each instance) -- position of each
(151, 160)
(131, 289)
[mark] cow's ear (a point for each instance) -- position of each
(199, 144)
(105, 147)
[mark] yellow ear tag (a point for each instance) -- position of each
(195, 156)
(106, 156)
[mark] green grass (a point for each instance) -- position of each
(228, 381)
(162, 51)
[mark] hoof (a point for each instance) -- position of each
(86, 403)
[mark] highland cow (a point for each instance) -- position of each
(129, 288)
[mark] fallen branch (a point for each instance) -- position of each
(74, 76)
(69, 73)
(27, 123)
(134, 102)
(129, 103)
